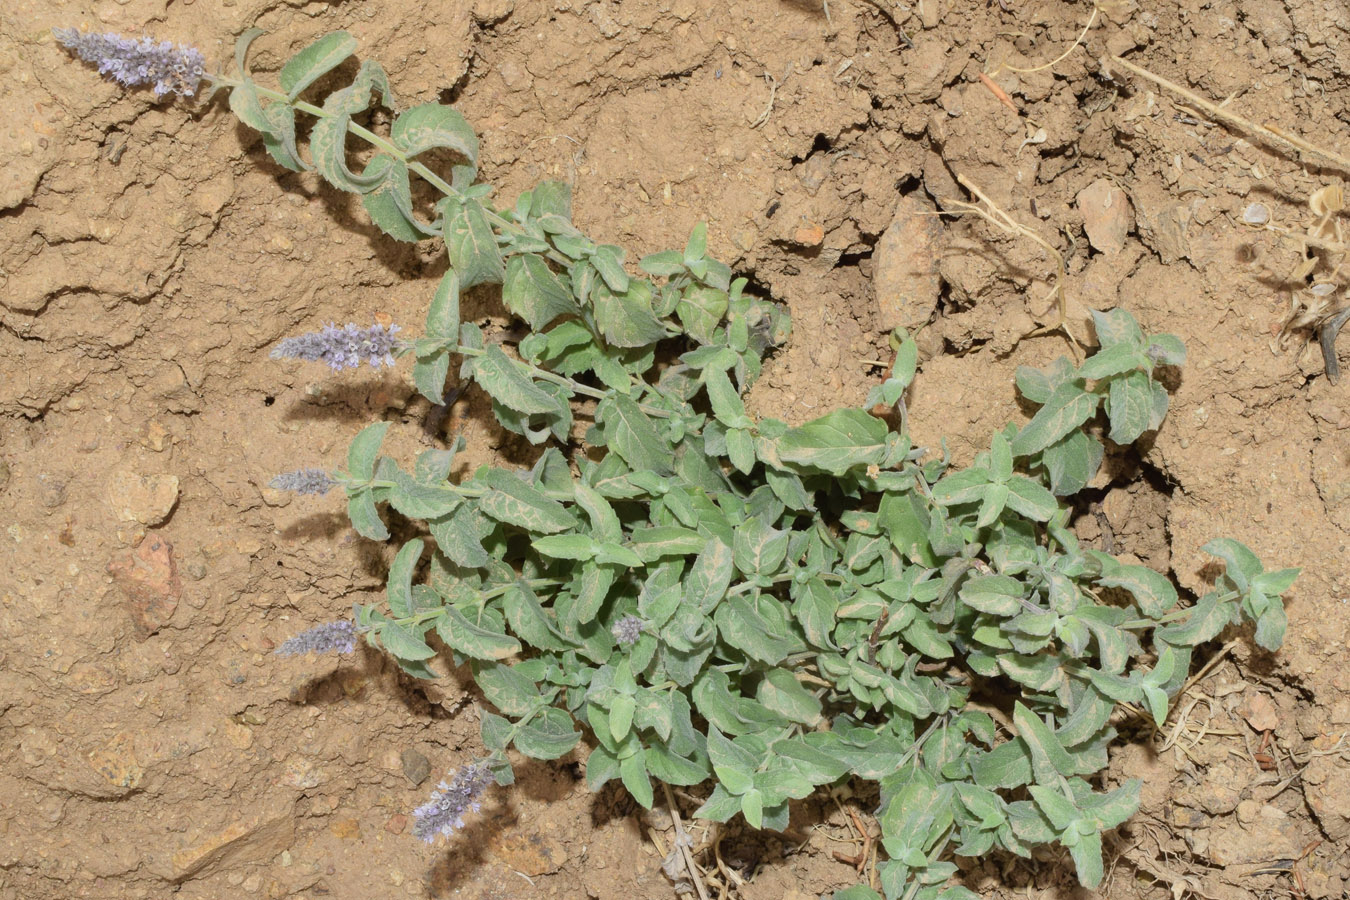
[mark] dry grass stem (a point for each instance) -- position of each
(1276, 136)
(682, 841)
(997, 217)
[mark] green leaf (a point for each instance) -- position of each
(750, 625)
(633, 772)
(1130, 407)
(434, 125)
(534, 293)
(1067, 408)
(566, 546)
(969, 485)
(364, 450)
(551, 198)
(836, 442)
(365, 517)
(856, 892)
(1034, 384)
(1166, 349)
(404, 643)
(471, 243)
(1060, 810)
(785, 695)
(700, 311)
(1152, 591)
(1117, 326)
(421, 501)
(443, 314)
(1271, 626)
(697, 248)
(1113, 360)
(460, 536)
(513, 501)
(310, 64)
(631, 434)
(1048, 758)
(666, 766)
(506, 688)
(398, 589)
(626, 319)
(509, 385)
(621, 716)
(548, 735)
(665, 541)
(280, 138)
(1072, 462)
(1087, 860)
(531, 621)
(998, 595)
(1005, 767)
(608, 261)
(388, 200)
(1030, 499)
(759, 549)
(707, 582)
(1243, 564)
(328, 137)
(476, 642)
(663, 264)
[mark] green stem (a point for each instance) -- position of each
(1173, 616)
(432, 615)
(498, 220)
(563, 381)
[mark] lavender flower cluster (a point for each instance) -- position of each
(339, 636)
(444, 813)
(343, 347)
(137, 61)
(627, 630)
(304, 481)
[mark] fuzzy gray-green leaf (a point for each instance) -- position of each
(434, 125)
(311, 63)
(514, 502)
(631, 434)
(836, 442)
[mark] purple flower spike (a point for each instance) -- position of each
(339, 636)
(444, 813)
(132, 61)
(342, 348)
(627, 630)
(304, 481)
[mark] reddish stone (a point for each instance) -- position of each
(148, 578)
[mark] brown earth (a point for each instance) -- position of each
(150, 253)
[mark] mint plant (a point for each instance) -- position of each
(749, 609)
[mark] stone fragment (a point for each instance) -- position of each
(1326, 787)
(1107, 215)
(51, 490)
(532, 853)
(1259, 712)
(346, 829)
(1260, 832)
(905, 274)
(147, 499)
(263, 832)
(148, 578)
(116, 761)
(416, 767)
(925, 67)
(809, 235)
(90, 679)
(396, 824)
